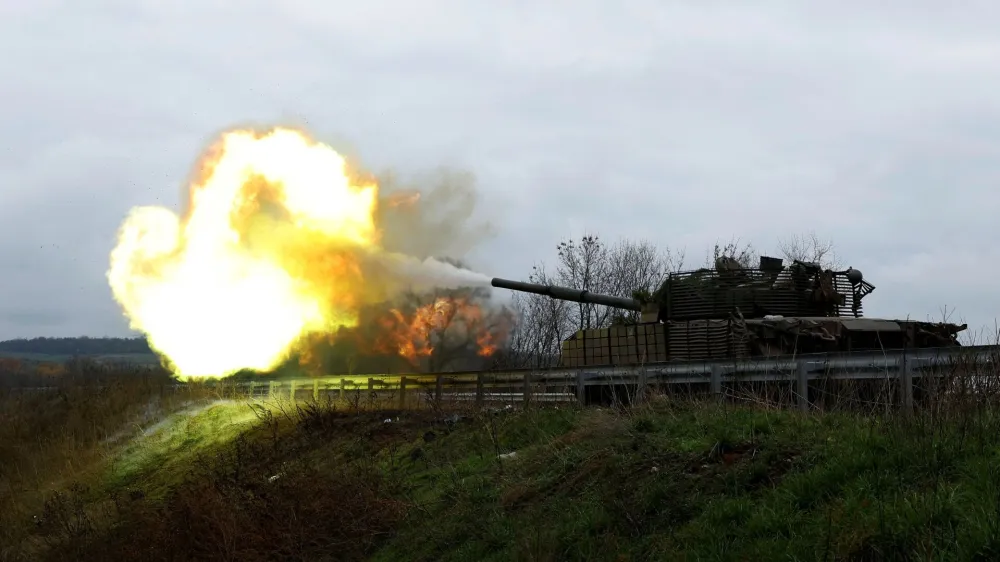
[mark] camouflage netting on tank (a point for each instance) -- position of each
(737, 338)
(795, 291)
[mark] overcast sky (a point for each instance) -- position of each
(875, 124)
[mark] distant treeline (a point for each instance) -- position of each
(76, 346)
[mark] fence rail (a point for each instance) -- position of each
(903, 366)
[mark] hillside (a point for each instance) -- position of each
(76, 346)
(24, 355)
(668, 480)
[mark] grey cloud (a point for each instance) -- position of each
(684, 123)
(32, 317)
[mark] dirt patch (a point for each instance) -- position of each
(724, 455)
(517, 495)
(380, 428)
(729, 455)
(590, 469)
(596, 426)
(667, 462)
(771, 464)
(782, 465)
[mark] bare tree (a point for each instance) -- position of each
(809, 248)
(585, 265)
(637, 266)
(540, 325)
(743, 253)
(623, 269)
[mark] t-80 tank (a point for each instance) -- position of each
(730, 311)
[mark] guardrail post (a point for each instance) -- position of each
(316, 390)
(479, 388)
(906, 382)
(716, 381)
(271, 388)
(802, 380)
(527, 387)
(439, 389)
(291, 392)
(581, 389)
(251, 390)
(343, 388)
(641, 391)
(402, 392)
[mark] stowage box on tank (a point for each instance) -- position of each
(734, 312)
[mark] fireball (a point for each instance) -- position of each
(265, 253)
(270, 250)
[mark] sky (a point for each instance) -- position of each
(875, 125)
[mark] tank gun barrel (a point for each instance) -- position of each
(568, 294)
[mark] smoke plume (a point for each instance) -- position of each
(431, 215)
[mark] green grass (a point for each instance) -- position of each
(707, 483)
(667, 480)
(160, 454)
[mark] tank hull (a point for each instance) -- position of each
(714, 339)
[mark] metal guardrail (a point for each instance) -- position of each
(538, 384)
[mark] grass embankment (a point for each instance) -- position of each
(666, 480)
(54, 440)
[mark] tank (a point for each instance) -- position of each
(730, 311)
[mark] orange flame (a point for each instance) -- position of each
(431, 325)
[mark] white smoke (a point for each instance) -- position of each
(428, 274)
